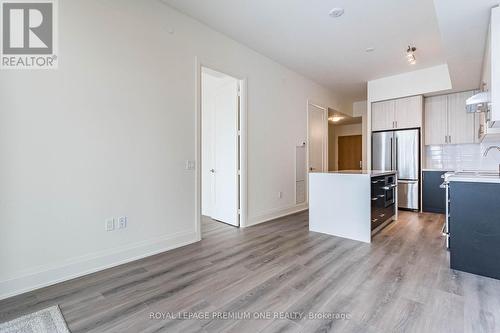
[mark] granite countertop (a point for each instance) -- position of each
(371, 173)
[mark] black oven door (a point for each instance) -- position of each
(389, 196)
(389, 191)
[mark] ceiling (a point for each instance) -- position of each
(343, 119)
(301, 35)
(464, 26)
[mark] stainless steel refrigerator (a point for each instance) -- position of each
(400, 150)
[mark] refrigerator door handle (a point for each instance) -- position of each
(392, 155)
(396, 153)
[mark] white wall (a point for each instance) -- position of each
(344, 130)
(109, 133)
(424, 81)
(413, 83)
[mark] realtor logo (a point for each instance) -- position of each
(28, 34)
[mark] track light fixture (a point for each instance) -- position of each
(410, 55)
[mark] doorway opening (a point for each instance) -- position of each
(317, 135)
(316, 155)
(220, 151)
(345, 142)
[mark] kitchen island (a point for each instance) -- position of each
(473, 226)
(352, 204)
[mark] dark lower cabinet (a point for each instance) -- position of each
(475, 228)
(433, 197)
(382, 204)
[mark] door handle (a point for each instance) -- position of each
(397, 153)
(408, 181)
(391, 155)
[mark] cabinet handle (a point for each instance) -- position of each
(449, 139)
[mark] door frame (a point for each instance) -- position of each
(243, 153)
(325, 140)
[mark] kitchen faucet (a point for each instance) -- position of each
(488, 150)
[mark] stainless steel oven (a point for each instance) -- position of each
(389, 189)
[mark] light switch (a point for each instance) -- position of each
(109, 224)
(190, 165)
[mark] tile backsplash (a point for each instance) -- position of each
(461, 157)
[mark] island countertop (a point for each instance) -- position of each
(371, 173)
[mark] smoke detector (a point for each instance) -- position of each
(336, 12)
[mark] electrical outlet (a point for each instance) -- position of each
(109, 224)
(122, 222)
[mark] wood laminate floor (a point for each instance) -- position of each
(399, 283)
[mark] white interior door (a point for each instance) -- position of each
(209, 85)
(317, 138)
(225, 172)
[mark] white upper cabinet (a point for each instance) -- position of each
(460, 123)
(436, 120)
(494, 54)
(408, 112)
(447, 122)
(383, 115)
(397, 114)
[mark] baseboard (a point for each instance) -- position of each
(46, 276)
(275, 214)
